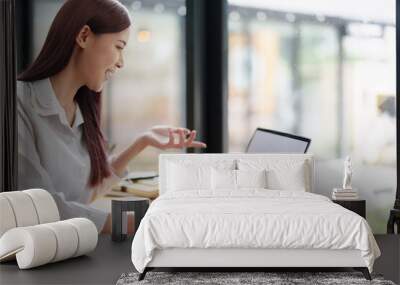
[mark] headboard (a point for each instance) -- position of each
(214, 159)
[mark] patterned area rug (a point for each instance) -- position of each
(230, 278)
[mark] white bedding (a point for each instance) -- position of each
(250, 218)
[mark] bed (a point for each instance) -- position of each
(246, 211)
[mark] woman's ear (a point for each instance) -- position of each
(82, 37)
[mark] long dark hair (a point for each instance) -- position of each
(102, 16)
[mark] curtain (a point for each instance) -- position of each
(8, 120)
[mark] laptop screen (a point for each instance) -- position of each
(270, 141)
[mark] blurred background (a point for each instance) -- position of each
(316, 68)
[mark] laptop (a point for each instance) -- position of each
(270, 141)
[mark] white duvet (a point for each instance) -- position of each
(250, 219)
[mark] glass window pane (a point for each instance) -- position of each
(150, 89)
(324, 70)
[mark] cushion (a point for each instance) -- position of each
(193, 175)
(223, 179)
(7, 215)
(237, 179)
(181, 177)
(287, 174)
(26, 208)
(31, 232)
(293, 179)
(40, 244)
(45, 205)
(251, 178)
(23, 208)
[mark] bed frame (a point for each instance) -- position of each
(242, 259)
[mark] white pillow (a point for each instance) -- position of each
(251, 178)
(188, 177)
(281, 174)
(291, 179)
(237, 179)
(187, 174)
(223, 179)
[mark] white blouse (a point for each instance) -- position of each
(52, 155)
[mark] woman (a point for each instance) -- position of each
(61, 147)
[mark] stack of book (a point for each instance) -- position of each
(344, 194)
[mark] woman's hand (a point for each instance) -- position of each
(163, 137)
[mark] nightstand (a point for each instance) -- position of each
(357, 206)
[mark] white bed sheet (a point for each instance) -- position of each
(251, 218)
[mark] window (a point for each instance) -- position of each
(149, 90)
(324, 70)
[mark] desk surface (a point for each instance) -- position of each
(102, 266)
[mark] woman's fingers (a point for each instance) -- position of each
(181, 138)
(186, 138)
(197, 144)
(181, 130)
(186, 131)
(164, 130)
(191, 138)
(192, 143)
(161, 130)
(170, 137)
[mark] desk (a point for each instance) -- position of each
(102, 266)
